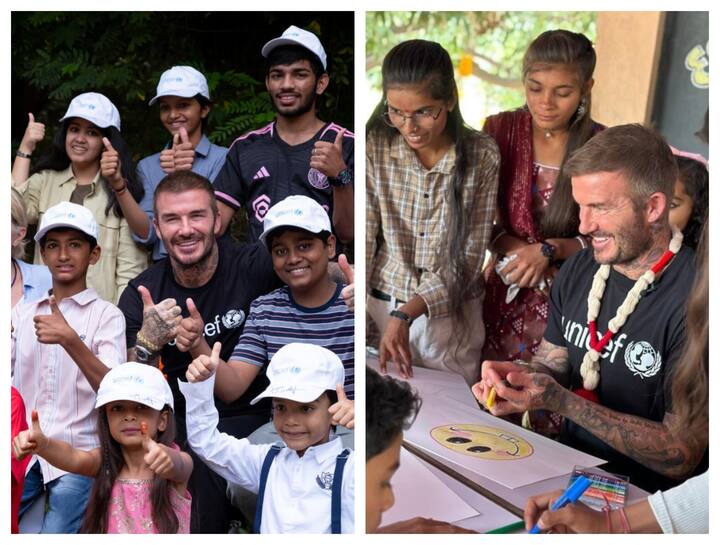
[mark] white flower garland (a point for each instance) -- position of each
(590, 367)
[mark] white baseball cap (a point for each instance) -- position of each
(134, 381)
(68, 214)
(302, 372)
(297, 36)
(95, 108)
(296, 211)
(181, 81)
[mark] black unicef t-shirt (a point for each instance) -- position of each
(244, 272)
(261, 169)
(635, 366)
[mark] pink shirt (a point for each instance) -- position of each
(130, 510)
(50, 381)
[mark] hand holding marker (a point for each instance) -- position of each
(571, 495)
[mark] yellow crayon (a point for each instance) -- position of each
(491, 398)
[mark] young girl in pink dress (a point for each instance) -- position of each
(140, 474)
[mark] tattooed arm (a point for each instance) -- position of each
(552, 360)
(647, 442)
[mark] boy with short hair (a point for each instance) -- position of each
(62, 346)
(296, 154)
(391, 408)
(304, 486)
(309, 308)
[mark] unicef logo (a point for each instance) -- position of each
(233, 318)
(642, 359)
(317, 179)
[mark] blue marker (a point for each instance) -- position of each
(571, 495)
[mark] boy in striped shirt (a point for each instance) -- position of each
(308, 309)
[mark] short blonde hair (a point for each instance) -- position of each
(18, 217)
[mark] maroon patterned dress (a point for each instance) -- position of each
(514, 330)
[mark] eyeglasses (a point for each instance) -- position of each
(422, 118)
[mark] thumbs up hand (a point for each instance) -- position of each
(160, 321)
(110, 166)
(184, 152)
(53, 328)
(156, 455)
(327, 156)
(343, 412)
(190, 330)
(203, 367)
(34, 133)
(29, 441)
(348, 292)
(167, 156)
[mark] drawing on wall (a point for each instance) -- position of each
(483, 442)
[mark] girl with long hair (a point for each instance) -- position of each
(431, 188)
(71, 171)
(537, 218)
(140, 474)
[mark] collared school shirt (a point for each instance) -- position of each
(407, 217)
(208, 161)
(51, 382)
(297, 493)
(36, 281)
(121, 259)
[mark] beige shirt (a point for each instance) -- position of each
(407, 217)
(121, 259)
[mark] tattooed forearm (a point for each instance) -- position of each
(647, 442)
(552, 359)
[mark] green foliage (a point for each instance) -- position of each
(496, 40)
(58, 55)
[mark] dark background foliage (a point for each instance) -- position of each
(58, 55)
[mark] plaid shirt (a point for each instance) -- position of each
(406, 224)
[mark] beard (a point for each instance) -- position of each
(296, 111)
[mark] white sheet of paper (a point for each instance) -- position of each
(431, 383)
(414, 486)
(548, 459)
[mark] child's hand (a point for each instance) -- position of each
(53, 328)
(190, 331)
(156, 456)
(29, 441)
(183, 151)
(203, 367)
(348, 292)
(343, 412)
(110, 165)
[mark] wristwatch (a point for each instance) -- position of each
(345, 177)
(400, 314)
(143, 355)
(548, 250)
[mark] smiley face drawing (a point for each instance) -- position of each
(482, 442)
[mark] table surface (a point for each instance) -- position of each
(474, 489)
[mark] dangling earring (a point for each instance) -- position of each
(582, 107)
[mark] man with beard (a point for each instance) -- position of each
(617, 318)
(298, 153)
(212, 283)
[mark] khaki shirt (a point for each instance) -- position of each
(121, 259)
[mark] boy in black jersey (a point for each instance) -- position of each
(298, 153)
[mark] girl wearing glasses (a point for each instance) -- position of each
(431, 197)
(537, 218)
